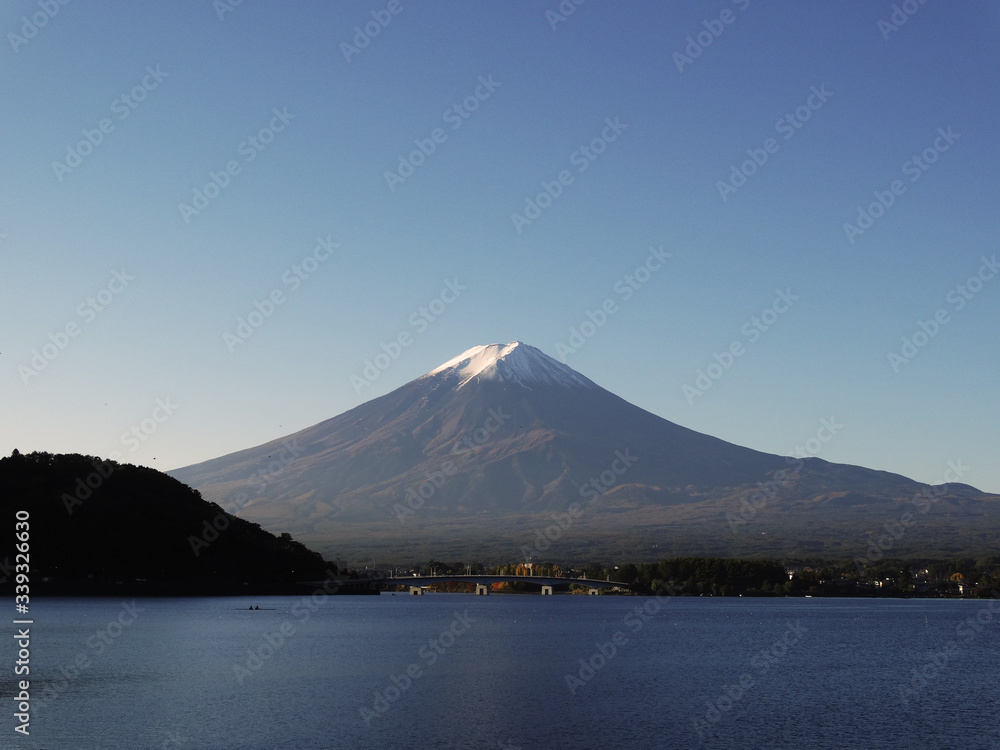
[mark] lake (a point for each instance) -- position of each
(461, 671)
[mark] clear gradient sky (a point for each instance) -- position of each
(299, 119)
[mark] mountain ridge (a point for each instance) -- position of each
(492, 442)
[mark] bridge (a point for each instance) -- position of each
(416, 584)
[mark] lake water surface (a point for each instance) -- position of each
(460, 671)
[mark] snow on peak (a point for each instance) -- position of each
(511, 363)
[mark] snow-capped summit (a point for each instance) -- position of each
(510, 363)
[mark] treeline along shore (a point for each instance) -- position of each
(98, 527)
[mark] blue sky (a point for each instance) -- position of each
(300, 122)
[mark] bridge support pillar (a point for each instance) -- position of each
(482, 589)
(546, 591)
(416, 591)
(594, 592)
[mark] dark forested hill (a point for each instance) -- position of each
(102, 527)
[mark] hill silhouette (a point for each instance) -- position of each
(101, 527)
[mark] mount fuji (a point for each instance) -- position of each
(504, 453)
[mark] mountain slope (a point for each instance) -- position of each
(474, 457)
